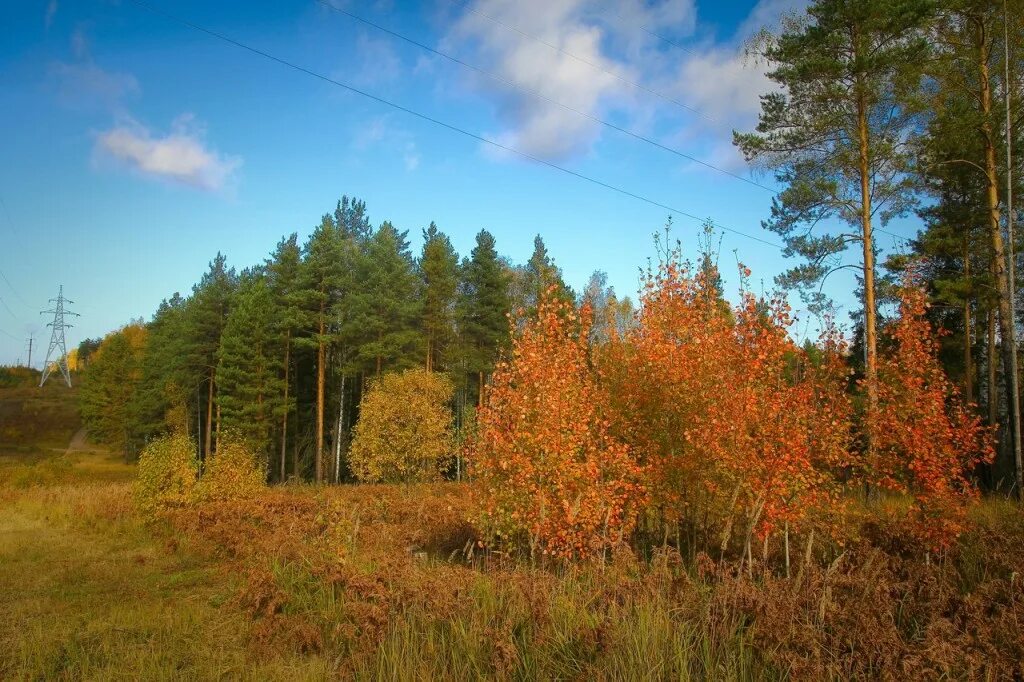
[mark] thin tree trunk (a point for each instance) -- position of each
(870, 342)
(320, 377)
(298, 438)
(480, 396)
(284, 418)
(209, 416)
(990, 353)
(1006, 332)
(968, 361)
(337, 442)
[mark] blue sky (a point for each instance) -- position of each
(136, 148)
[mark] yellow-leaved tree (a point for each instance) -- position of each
(405, 431)
(168, 468)
(235, 471)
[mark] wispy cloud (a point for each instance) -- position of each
(181, 156)
(595, 53)
(378, 61)
(51, 13)
(381, 134)
(83, 84)
(533, 125)
(86, 85)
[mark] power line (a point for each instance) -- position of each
(10, 222)
(583, 60)
(454, 128)
(539, 95)
(662, 38)
(435, 121)
(9, 335)
(7, 307)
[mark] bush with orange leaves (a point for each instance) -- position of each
(730, 419)
(549, 473)
(924, 439)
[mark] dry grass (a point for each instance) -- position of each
(88, 593)
(372, 582)
(36, 419)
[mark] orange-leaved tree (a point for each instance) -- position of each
(731, 420)
(549, 473)
(926, 440)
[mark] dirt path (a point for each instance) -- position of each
(78, 442)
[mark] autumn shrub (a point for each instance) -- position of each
(924, 440)
(167, 473)
(235, 471)
(548, 470)
(405, 432)
(736, 427)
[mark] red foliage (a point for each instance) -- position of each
(548, 469)
(924, 439)
(722, 408)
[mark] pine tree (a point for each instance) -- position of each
(439, 275)
(384, 305)
(110, 389)
(967, 132)
(320, 279)
(483, 307)
(170, 382)
(351, 219)
(249, 380)
(282, 278)
(835, 132)
(204, 323)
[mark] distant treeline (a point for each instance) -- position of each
(281, 352)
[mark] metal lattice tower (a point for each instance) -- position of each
(57, 341)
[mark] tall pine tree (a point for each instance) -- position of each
(483, 308)
(207, 314)
(320, 279)
(439, 275)
(282, 277)
(249, 365)
(835, 133)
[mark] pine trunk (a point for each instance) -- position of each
(320, 377)
(209, 417)
(284, 418)
(968, 360)
(870, 342)
(1006, 332)
(993, 392)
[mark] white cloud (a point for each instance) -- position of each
(583, 82)
(613, 43)
(725, 84)
(51, 13)
(411, 158)
(181, 156)
(80, 44)
(379, 63)
(85, 85)
(391, 140)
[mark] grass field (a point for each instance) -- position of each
(90, 593)
(379, 582)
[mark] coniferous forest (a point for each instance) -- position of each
(281, 353)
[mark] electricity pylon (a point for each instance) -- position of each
(57, 338)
